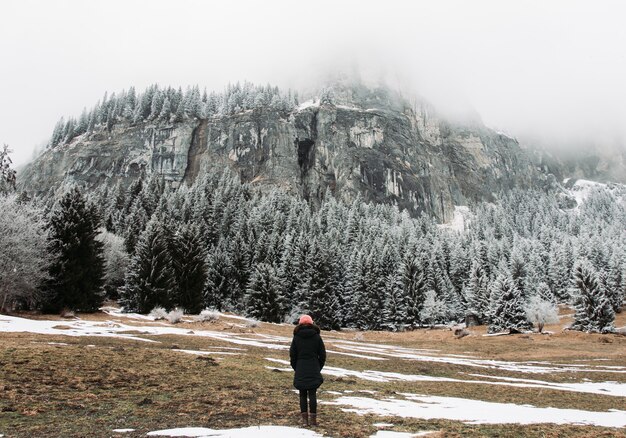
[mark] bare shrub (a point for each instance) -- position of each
(175, 316)
(158, 313)
(207, 315)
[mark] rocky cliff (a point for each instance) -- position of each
(349, 141)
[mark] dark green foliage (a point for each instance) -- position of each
(358, 265)
(150, 279)
(507, 306)
(189, 265)
(594, 312)
(263, 300)
(77, 270)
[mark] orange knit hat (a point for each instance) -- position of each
(305, 319)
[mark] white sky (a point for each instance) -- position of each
(556, 69)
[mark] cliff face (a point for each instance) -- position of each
(359, 141)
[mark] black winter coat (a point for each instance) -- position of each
(308, 355)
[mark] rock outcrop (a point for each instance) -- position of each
(358, 140)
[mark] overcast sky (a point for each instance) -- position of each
(556, 69)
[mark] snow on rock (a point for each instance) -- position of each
(476, 411)
(461, 216)
(308, 104)
(245, 432)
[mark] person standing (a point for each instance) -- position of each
(308, 355)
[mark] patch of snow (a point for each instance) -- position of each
(57, 343)
(308, 104)
(245, 432)
(614, 389)
(123, 430)
(119, 312)
(110, 329)
(468, 361)
(603, 388)
(383, 424)
(461, 216)
(476, 411)
(361, 356)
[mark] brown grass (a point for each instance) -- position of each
(75, 390)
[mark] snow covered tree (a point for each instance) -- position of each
(115, 262)
(188, 261)
(24, 257)
(413, 284)
(541, 312)
(77, 268)
(263, 294)
(614, 280)
(321, 288)
(220, 284)
(7, 175)
(434, 310)
(477, 293)
(507, 306)
(594, 312)
(150, 277)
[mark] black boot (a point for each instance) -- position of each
(313, 419)
(305, 418)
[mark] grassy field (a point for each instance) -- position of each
(54, 385)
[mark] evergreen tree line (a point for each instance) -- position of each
(270, 256)
(267, 254)
(170, 105)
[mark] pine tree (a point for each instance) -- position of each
(507, 306)
(594, 312)
(190, 274)
(615, 281)
(263, 294)
(221, 284)
(413, 284)
(77, 270)
(7, 175)
(434, 310)
(150, 277)
(477, 293)
(321, 293)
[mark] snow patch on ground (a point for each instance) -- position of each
(476, 411)
(119, 312)
(614, 389)
(245, 432)
(123, 430)
(468, 361)
(119, 330)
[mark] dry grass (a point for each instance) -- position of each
(76, 390)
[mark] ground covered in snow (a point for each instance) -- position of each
(116, 374)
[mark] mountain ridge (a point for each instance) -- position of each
(350, 140)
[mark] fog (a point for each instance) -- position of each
(548, 71)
